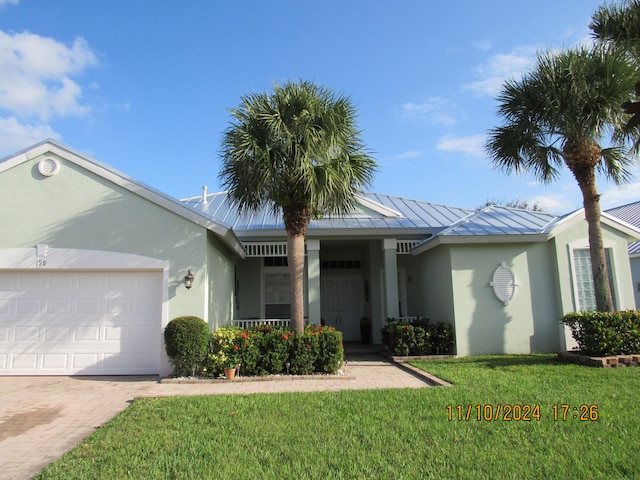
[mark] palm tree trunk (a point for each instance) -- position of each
(295, 257)
(591, 202)
(296, 219)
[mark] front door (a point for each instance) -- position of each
(342, 303)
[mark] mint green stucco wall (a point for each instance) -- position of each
(221, 274)
(484, 324)
(577, 237)
(78, 209)
(430, 287)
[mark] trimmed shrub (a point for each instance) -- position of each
(603, 333)
(330, 348)
(265, 350)
(186, 342)
(418, 337)
(303, 355)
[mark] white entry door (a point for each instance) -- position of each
(80, 322)
(342, 303)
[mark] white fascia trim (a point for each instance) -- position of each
(477, 240)
(621, 225)
(632, 232)
(76, 259)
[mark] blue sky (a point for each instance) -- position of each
(145, 86)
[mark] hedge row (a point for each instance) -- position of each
(418, 337)
(601, 333)
(266, 350)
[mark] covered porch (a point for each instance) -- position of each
(347, 283)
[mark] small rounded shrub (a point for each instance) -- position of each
(186, 341)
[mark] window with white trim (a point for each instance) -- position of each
(583, 278)
(277, 303)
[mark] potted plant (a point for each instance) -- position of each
(365, 330)
(230, 369)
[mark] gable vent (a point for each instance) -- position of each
(504, 283)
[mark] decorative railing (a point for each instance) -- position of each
(248, 323)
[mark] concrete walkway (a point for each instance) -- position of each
(41, 418)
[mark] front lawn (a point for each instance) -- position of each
(394, 434)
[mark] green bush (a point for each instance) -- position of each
(330, 348)
(418, 337)
(266, 350)
(221, 352)
(186, 342)
(604, 333)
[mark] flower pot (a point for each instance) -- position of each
(230, 373)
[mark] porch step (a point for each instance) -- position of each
(352, 349)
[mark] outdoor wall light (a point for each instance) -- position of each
(188, 280)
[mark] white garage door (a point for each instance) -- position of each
(82, 323)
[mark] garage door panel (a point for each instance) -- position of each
(5, 306)
(27, 334)
(24, 361)
(80, 323)
(60, 306)
(56, 361)
(28, 306)
(57, 334)
(86, 334)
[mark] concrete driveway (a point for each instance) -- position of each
(41, 418)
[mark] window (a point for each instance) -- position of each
(276, 296)
(583, 278)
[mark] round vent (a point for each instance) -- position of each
(48, 166)
(504, 283)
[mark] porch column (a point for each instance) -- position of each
(389, 246)
(313, 276)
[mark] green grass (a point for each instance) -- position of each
(380, 434)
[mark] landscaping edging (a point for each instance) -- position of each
(611, 361)
(268, 378)
(401, 362)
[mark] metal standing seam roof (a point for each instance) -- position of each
(373, 211)
(495, 221)
(630, 214)
(498, 220)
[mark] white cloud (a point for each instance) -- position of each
(434, 110)
(408, 154)
(554, 203)
(622, 195)
(483, 45)
(15, 135)
(36, 75)
(8, 2)
(472, 146)
(500, 67)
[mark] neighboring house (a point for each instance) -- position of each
(93, 266)
(630, 213)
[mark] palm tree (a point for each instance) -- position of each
(567, 111)
(619, 24)
(298, 151)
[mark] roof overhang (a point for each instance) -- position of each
(476, 240)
